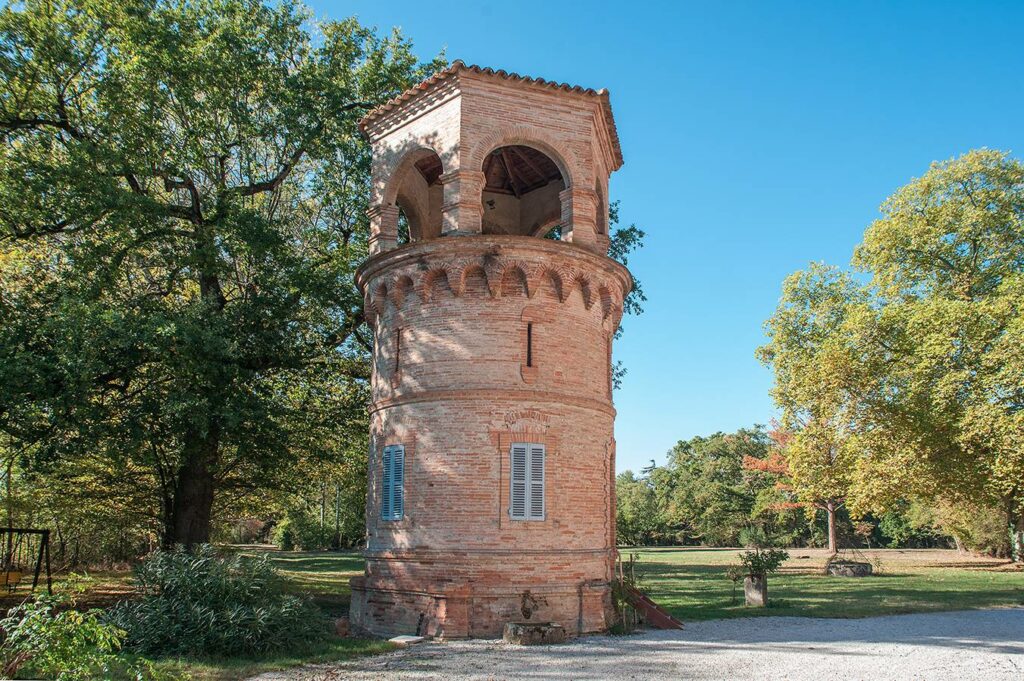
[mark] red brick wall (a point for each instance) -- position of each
(451, 379)
(459, 394)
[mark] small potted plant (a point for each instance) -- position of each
(757, 565)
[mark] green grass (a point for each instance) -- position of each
(691, 584)
(321, 575)
(235, 668)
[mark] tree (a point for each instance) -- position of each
(638, 520)
(705, 490)
(943, 352)
(182, 196)
(776, 505)
(815, 373)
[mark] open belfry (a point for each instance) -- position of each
(494, 305)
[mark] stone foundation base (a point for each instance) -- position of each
(848, 568)
(458, 612)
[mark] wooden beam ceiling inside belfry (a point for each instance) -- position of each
(518, 170)
(515, 170)
(430, 168)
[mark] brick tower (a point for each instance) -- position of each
(492, 458)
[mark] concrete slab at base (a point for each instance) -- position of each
(534, 633)
(406, 640)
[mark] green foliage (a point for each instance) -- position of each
(762, 562)
(302, 531)
(940, 349)
(912, 525)
(910, 386)
(622, 242)
(753, 536)
(638, 518)
(974, 526)
(46, 637)
(711, 496)
(184, 190)
(201, 603)
(811, 363)
(709, 493)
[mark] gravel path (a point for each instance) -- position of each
(979, 644)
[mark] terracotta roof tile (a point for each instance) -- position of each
(458, 66)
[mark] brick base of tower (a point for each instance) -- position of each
(452, 611)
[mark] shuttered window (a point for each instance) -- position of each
(392, 490)
(527, 481)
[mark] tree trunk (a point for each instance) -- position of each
(959, 544)
(1016, 529)
(830, 510)
(192, 503)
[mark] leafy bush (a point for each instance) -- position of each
(754, 536)
(46, 637)
(201, 603)
(763, 562)
(300, 530)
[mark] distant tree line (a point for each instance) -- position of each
(726, 489)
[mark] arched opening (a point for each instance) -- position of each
(520, 195)
(404, 233)
(418, 193)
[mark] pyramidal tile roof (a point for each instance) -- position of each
(458, 66)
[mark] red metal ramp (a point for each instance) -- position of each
(653, 614)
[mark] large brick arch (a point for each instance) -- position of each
(415, 204)
(536, 138)
(396, 172)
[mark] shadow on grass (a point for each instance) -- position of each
(701, 591)
(328, 649)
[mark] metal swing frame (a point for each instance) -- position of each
(9, 536)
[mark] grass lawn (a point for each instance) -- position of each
(691, 583)
(235, 668)
(321, 575)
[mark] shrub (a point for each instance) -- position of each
(301, 531)
(201, 603)
(46, 637)
(763, 562)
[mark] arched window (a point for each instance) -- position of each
(520, 195)
(418, 193)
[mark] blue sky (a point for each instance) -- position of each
(757, 137)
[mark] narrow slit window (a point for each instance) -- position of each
(529, 344)
(398, 349)
(526, 498)
(392, 489)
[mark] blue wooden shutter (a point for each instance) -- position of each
(398, 482)
(517, 503)
(536, 482)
